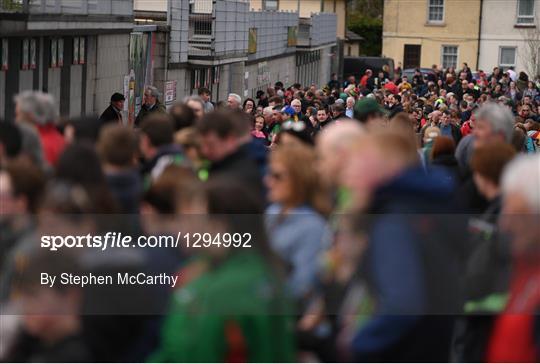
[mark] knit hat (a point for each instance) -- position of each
(367, 106)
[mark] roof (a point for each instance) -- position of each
(353, 36)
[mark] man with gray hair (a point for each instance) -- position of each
(37, 111)
(150, 105)
(234, 101)
(493, 123)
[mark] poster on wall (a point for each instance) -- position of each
(4, 51)
(252, 41)
(32, 54)
(292, 36)
(82, 50)
(54, 53)
(170, 93)
(60, 60)
(25, 53)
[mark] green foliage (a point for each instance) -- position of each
(371, 29)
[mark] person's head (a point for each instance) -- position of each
(259, 123)
(322, 115)
(493, 122)
(369, 112)
(487, 164)
(380, 156)
(151, 96)
(249, 106)
(268, 114)
(222, 132)
(234, 101)
(204, 94)
(525, 111)
(350, 102)
(521, 203)
(182, 115)
(35, 107)
(333, 146)
(190, 141)
(117, 147)
(293, 184)
(10, 141)
(156, 132)
(297, 106)
(21, 187)
(443, 145)
(196, 104)
(530, 85)
(117, 100)
(338, 110)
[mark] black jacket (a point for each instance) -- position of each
(110, 115)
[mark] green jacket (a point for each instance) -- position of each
(234, 312)
(144, 112)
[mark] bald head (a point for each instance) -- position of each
(334, 144)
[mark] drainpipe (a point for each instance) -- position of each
(479, 34)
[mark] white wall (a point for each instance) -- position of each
(499, 29)
(151, 5)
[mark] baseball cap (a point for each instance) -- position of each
(117, 97)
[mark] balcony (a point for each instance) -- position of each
(317, 31)
(218, 31)
(24, 16)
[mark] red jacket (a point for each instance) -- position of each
(512, 339)
(52, 141)
(466, 128)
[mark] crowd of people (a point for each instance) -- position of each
(392, 220)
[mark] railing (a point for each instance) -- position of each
(78, 7)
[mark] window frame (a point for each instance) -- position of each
(518, 22)
(443, 46)
(429, 21)
(506, 65)
(265, 4)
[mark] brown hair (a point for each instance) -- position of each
(159, 129)
(305, 182)
(489, 160)
(27, 180)
(117, 145)
(443, 145)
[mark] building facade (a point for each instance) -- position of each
(512, 40)
(77, 50)
(483, 33)
(420, 33)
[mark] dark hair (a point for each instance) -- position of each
(203, 90)
(10, 138)
(182, 115)
(26, 180)
(254, 105)
(79, 164)
(443, 146)
(225, 123)
(276, 99)
(158, 128)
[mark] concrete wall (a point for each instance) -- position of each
(352, 49)
(75, 100)
(91, 71)
(500, 31)
(151, 5)
(112, 66)
(266, 73)
(405, 22)
(2, 92)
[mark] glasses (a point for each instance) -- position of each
(297, 126)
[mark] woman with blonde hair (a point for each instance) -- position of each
(295, 220)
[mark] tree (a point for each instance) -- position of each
(531, 51)
(366, 19)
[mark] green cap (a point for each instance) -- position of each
(367, 106)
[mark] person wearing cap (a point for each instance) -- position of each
(368, 112)
(287, 113)
(113, 113)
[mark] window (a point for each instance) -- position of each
(79, 50)
(4, 55)
(507, 56)
(435, 11)
(449, 56)
(29, 54)
(525, 12)
(270, 4)
(57, 52)
(411, 55)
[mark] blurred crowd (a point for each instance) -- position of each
(393, 220)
